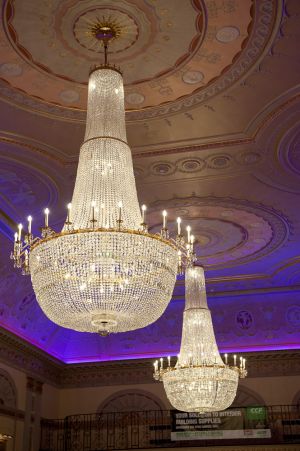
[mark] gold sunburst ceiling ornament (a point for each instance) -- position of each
(94, 29)
(105, 29)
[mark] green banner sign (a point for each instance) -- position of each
(256, 413)
(248, 422)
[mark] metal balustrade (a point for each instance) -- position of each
(152, 429)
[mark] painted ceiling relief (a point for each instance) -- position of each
(212, 99)
(168, 52)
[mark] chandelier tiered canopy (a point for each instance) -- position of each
(200, 381)
(104, 272)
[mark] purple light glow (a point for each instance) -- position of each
(244, 322)
(165, 355)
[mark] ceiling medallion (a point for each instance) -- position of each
(105, 30)
(104, 272)
(200, 381)
(93, 28)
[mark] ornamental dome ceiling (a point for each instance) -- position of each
(48, 49)
(212, 110)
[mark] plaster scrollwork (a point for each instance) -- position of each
(193, 165)
(266, 21)
(256, 48)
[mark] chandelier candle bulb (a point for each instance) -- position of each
(161, 363)
(188, 229)
(234, 360)
(144, 208)
(69, 206)
(29, 219)
(20, 227)
(16, 237)
(46, 211)
(164, 213)
(192, 243)
(226, 359)
(169, 361)
(178, 226)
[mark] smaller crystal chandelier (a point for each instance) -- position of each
(200, 381)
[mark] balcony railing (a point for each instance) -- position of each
(161, 428)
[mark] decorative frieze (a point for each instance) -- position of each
(36, 363)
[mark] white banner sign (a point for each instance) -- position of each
(220, 434)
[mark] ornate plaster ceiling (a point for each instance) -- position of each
(212, 98)
(47, 50)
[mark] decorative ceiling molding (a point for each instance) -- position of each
(252, 133)
(195, 209)
(37, 148)
(36, 363)
(60, 157)
(27, 358)
(240, 61)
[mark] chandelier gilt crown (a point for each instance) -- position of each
(200, 381)
(104, 271)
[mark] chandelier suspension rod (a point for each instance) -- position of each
(105, 44)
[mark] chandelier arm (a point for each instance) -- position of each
(105, 230)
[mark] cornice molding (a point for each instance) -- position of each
(36, 363)
(260, 364)
(16, 352)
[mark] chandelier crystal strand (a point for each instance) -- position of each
(105, 171)
(103, 272)
(200, 381)
(112, 277)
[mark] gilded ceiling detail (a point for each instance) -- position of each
(160, 50)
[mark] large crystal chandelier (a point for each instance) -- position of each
(104, 272)
(200, 381)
